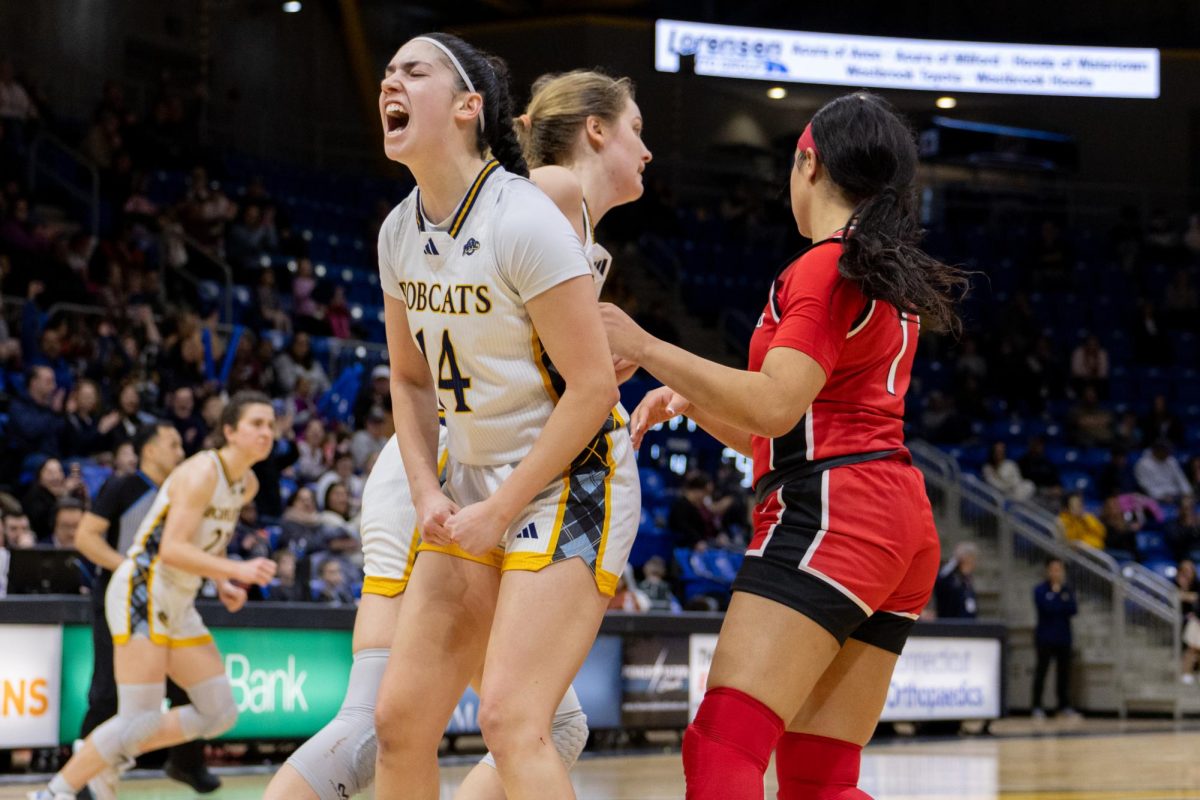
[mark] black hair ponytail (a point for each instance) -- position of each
(871, 154)
(490, 75)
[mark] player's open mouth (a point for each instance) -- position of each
(397, 118)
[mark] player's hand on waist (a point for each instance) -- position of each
(432, 512)
(477, 528)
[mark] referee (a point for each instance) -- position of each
(104, 536)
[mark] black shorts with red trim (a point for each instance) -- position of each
(853, 548)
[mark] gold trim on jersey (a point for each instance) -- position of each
(540, 359)
(224, 469)
(468, 201)
(390, 587)
(606, 581)
(193, 642)
(587, 223)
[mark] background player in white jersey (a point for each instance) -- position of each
(540, 487)
(580, 129)
(156, 629)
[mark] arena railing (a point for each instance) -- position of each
(87, 194)
(1130, 616)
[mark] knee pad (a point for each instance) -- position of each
(339, 760)
(212, 711)
(139, 713)
(811, 767)
(727, 747)
(569, 731)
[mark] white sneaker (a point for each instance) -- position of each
(46, 794)
(104, 785)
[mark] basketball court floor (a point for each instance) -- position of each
(1093, 761)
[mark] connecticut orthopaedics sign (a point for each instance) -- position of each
(729, 51)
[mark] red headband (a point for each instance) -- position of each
(806, 141)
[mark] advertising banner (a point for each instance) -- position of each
(701, 647)
(654, 674)
(29, 685)
(730, 51)
(945, 678)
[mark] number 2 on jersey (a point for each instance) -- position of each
(455, 381)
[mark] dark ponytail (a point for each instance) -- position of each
(489, 73)
(870, 153)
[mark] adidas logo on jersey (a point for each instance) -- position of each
(430, 250)
(471, 247)
(528, 532)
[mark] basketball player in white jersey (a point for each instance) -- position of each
(581, 129)
(521, 551)
(156, 629)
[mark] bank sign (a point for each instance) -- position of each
(729, 51)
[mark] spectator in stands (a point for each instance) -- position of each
(1150, 344)
(1078, 524)
(270, 470)
(337, 314)
(1160, 476)
(690, 519)
(307, 313)
(205, 211)
(655, 587)
(283, 587)
(627, 598)
(250, 238)
(18, 534)
(942, 422)
(1191, 237)
(269, 308)
(90, 427)
(250, 538)
(370, 440)
(103, 140)
(132, 418)
(1003, 474)
(17, 109)
(1091, 424)
(1160, 423)
(1089, 366)
(336, 514)
(1181, 306)
(1120, 527)
(50, 486)
(331, 587)
(36, 423)
(67, 516)
(1183, 532)
(1117, 477)
(343, 472)
(183, 363)
(315, 452)
(181, 412)
(1127, 433)
(954, 592)
(1189, 607)
(1056, 604)
(301, 523)
(374, 393)
(125, 460)
(1037, 467)
(298, 361)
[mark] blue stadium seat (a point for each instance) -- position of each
(1152, 545)
(1074, 481)
(1162, 566)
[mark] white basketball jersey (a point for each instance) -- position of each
(598, 257)
(212, 535)
(465, 286)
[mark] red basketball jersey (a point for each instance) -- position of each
(866, 349)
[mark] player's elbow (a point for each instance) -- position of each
(773, 423)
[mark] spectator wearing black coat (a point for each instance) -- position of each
(954, 592)
(1056, 604)
(36, 423)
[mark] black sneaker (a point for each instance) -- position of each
(199, 779)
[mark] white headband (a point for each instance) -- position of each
(462, 73)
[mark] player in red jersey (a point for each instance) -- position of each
(844, 553)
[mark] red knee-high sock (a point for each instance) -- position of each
(727, 748)
(817, 768)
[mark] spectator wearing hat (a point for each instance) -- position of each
(376, 392)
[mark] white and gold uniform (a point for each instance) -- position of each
(149, 598)
(389, 522)
(465, 286)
